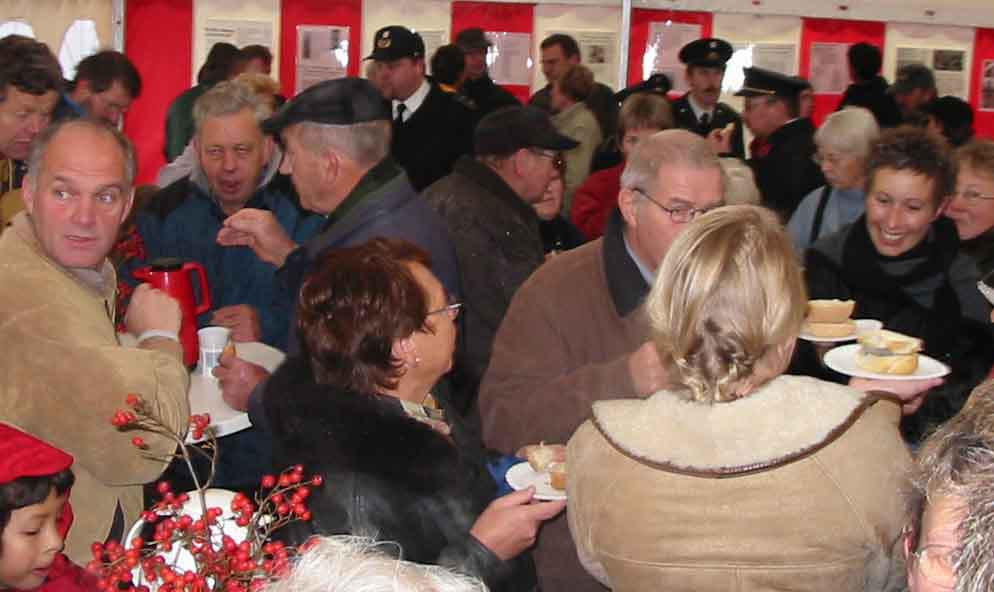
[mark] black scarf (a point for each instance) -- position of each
(879, 287)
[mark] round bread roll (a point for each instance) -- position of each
(892, 364)
(557, 475)
(844, 329)
(829, 311)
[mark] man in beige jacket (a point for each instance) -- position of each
(63, 371)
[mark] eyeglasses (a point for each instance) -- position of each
(937, 564)
(451, 309)
(971, 195)
(678, 215)
(558, 162)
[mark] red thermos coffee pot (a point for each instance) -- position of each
(172, 276)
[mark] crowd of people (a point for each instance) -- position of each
(454, 276)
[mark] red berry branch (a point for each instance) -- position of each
(220, 561)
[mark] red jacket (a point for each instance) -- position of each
(594, 201)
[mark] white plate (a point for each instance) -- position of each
(843, 359)
(861, 325)
(205, 394)
(521, 476)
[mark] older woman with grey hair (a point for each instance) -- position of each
(949, 539)
(843, 143)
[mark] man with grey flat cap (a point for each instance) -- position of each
(699, 110)
(782, 156)
(487, 206)
(336, 139)
(430, 128)
(487, 95)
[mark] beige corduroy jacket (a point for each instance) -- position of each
(795, 487)
(63, 374)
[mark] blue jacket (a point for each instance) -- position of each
(387, 207)
(182, 221)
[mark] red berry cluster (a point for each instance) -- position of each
(199, 425)
(221, 562)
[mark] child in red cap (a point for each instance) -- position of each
(35, 516)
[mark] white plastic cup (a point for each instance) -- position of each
(213, 340)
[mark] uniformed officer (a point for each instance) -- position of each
(782, 155)
(699, 110)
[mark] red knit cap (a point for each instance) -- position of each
(23, 455)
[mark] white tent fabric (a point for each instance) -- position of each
(16, 28)
(81, 40)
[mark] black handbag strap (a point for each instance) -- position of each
(820, 213)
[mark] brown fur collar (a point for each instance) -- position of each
(788, 418)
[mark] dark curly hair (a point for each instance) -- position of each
(354, 305)
(908, 148)
(28, 66)
(28, 491)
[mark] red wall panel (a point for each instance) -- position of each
(158, 38)
(983, 49)
(834, 31)
(497, 16)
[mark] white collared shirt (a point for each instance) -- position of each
(697, 109)
(414, 101)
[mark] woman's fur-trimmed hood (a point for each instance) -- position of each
(787, 418)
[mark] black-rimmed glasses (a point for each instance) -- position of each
(679, 215)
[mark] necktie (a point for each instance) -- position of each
(400, 114)
(705, 120)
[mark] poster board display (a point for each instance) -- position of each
(640, 60)
(948, 66)
(509, 57)
(236, 32)
(322, 54)
(661, 49)
(829, 73)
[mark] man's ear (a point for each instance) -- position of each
(628, 204)
(28, 193)
(329, 166)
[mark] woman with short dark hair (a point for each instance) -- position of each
(901, 263)
(360, 407)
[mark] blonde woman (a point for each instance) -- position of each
(738, 477)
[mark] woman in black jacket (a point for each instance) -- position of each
(901, 263)
(360, 407)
